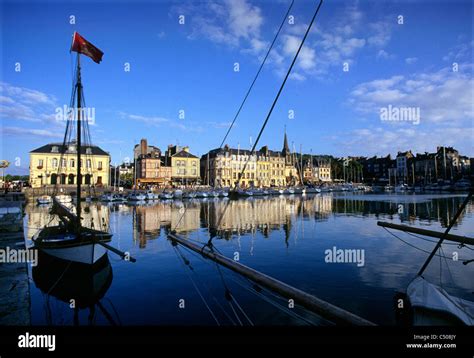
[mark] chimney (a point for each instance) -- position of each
(143, 147)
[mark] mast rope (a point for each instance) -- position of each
(409, 244)
(196, 287)
(255, 289)
(248, 91)
(204, 284)
(252, 151)
(257, 74)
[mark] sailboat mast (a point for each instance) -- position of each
(79, 106)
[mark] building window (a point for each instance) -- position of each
(88, 163)
(99, 166)
(194, 163)
(194, 172)
(54, 149)
(89, 150)
(54, 162)
(40, 162)
(63, 162)
(72, 163)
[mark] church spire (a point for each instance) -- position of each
(286, 148)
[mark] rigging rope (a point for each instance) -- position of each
(248, 91)
(197, 288)
(252, 151)
(415, 247)
(258, 72)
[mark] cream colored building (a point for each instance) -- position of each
(185, 168)
(52, 164)
(221, 167)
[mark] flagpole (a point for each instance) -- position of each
(79, 105)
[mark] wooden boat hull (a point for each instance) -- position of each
(85, 248)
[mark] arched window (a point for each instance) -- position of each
(70, 179)
(54, 179)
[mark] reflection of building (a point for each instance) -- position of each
(248, 215)
(149, 220)
(54, 164)
(93, 215)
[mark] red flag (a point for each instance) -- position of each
(81, 45)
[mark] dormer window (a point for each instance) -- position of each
(88, 150)
(72, 148)
(54, 149)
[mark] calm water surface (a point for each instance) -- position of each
(285, 237)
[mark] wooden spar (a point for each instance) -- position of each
(310, 302)
(430, 233)
(118, 252)
(446, 233)
(63, 210)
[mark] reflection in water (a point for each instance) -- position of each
(39, 216)
(267, 214)
(78, 285)
(282, 236)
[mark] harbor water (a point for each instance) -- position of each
(291, 238)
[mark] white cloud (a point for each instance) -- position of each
(162, 122)
(238, 25)
(382, 141)
(148, 120)
(26, 95)
(462, 51)
(219, 125)
(307, 56)
(24, 104)
(380, 33)
(411, 60)
(443, 96)
(338, 41)
(234, 23)
(382, 54)
(19, 131)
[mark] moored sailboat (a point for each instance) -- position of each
(70, 240)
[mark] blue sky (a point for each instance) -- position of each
(190, 67)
